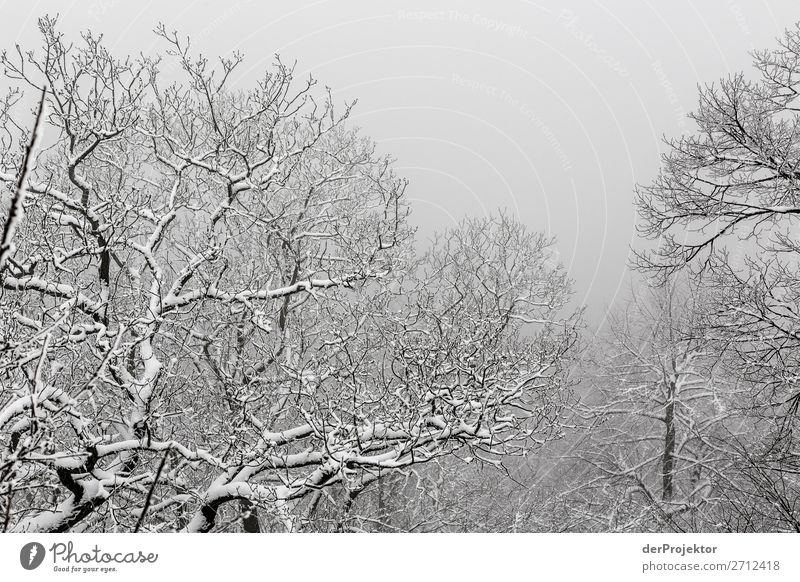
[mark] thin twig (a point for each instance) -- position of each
(8, 509)
(152, 489)
(16, 210)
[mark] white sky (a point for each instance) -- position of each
(551, 110)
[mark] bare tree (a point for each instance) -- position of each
(726, 205)
(659, 413)
(213, 298)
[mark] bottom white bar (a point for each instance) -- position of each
(389, 557)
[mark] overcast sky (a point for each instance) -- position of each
(551, 110)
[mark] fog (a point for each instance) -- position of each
(552, 112)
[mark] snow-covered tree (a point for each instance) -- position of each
(658, 410)
(211, 314)
(725, 205)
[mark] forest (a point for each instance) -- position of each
(216, 316)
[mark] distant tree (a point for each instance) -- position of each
(210, 311)
(656, 408)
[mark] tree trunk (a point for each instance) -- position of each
(249, 516)
(668, 458)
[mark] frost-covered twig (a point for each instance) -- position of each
(16, 208)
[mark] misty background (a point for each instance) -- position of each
(552, 111)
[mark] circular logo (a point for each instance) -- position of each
(31, 555)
